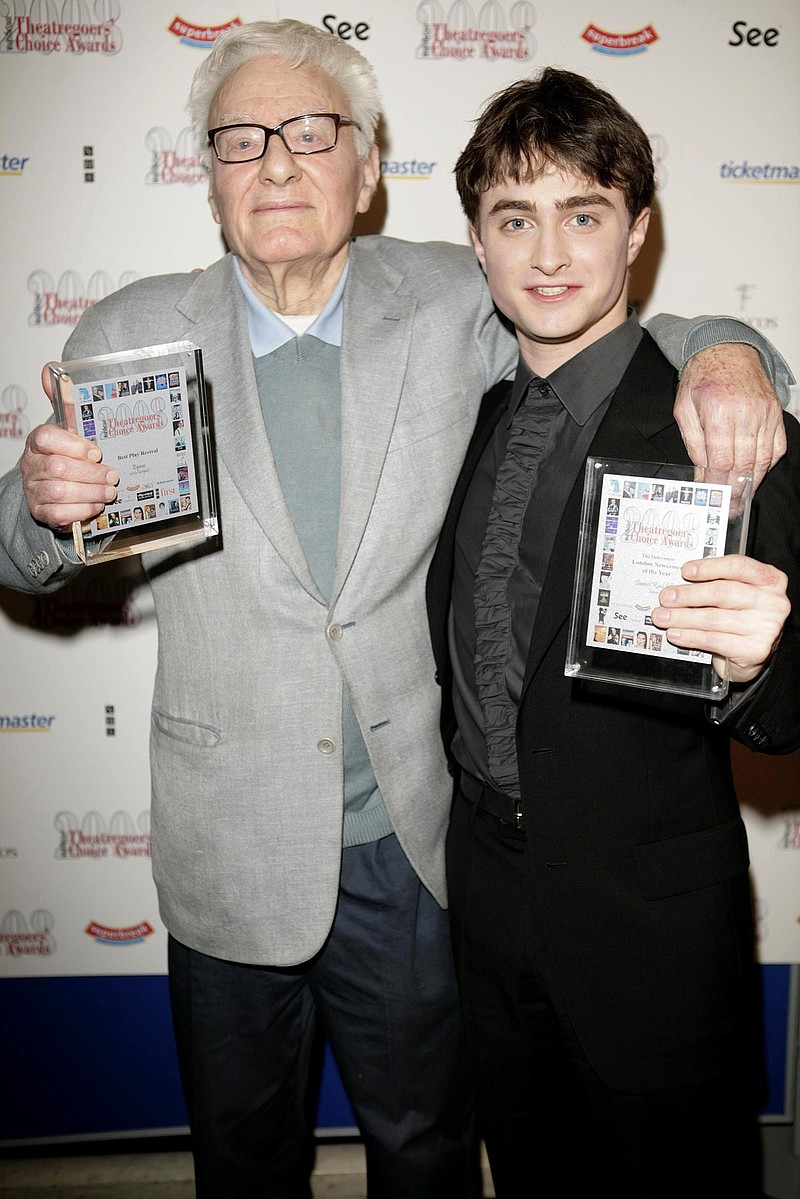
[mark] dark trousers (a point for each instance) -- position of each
(384, 989)
(551, 1126)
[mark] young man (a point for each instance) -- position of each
(597, 862)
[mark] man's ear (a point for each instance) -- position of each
(212, 203)
(372, 178)
(637, 234)
(477, 246)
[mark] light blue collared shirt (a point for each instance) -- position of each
(268, 332)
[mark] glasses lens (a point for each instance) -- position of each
(240, 143)
(309, 135)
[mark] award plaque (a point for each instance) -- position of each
(146, 410)
(641, 521)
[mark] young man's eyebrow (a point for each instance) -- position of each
(515, 204)
(592, 199)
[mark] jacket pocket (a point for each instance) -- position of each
(205, 736)
(692, 861)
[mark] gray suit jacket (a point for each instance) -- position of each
(246, 804)
(246, 808)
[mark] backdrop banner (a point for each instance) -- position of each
(101, 185)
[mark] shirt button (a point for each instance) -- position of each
(335, 632)
(326, 746)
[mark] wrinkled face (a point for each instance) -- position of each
(556, 252)
(287, 208)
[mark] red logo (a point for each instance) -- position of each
(200, 35)
(619, 43)
(119, 936)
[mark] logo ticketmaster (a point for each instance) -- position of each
(93, 29)
(460, 34)
(764, 172)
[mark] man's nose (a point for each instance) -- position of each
(277, 164)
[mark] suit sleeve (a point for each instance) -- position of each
(32, 557)
(680, 337)
(770, 723)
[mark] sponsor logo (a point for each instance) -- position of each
(26, 724)
(763, 172)
(134, 935)
(13, 402)
(619, 43)
(27, 938)
(110, 721)
(92, 837)
(746, 291)
(84, 27)
(88, 164)
(346, 30)
(200, 36)
(89, 602)
(64, 303)
(172, 160)
(8, 853)
(752, 36)
(413, 168)
(496, 32)
(12, 164)
(790, 837)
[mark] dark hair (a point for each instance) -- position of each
(562, 119)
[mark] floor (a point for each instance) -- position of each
(339, 1174)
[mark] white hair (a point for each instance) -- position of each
(296, 43)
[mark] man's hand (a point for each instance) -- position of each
(732, 607)
(728, 414)
(62, 475)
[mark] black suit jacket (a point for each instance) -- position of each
(636, 849)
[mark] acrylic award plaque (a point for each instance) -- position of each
(146, 410)
(641, 521)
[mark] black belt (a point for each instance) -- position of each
(504, 808)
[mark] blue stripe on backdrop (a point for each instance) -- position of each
(89, 1056)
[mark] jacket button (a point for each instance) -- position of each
(757, 735)
(326, 746)
(335, 632)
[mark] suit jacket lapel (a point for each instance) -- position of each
(638, 426)
(214, 302)
(440, 576)
(378, 326)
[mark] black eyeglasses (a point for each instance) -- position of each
(310, 134)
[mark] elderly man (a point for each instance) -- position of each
(300, 792)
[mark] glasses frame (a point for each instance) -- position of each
(337, 119)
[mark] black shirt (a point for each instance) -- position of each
(584, 387)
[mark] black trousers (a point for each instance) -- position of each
(551, 1126)
(383, 987)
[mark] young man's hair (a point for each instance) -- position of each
(558, 119)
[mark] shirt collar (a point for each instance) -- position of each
(268, 332)
(586, 380)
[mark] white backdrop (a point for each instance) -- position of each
(100, 185)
